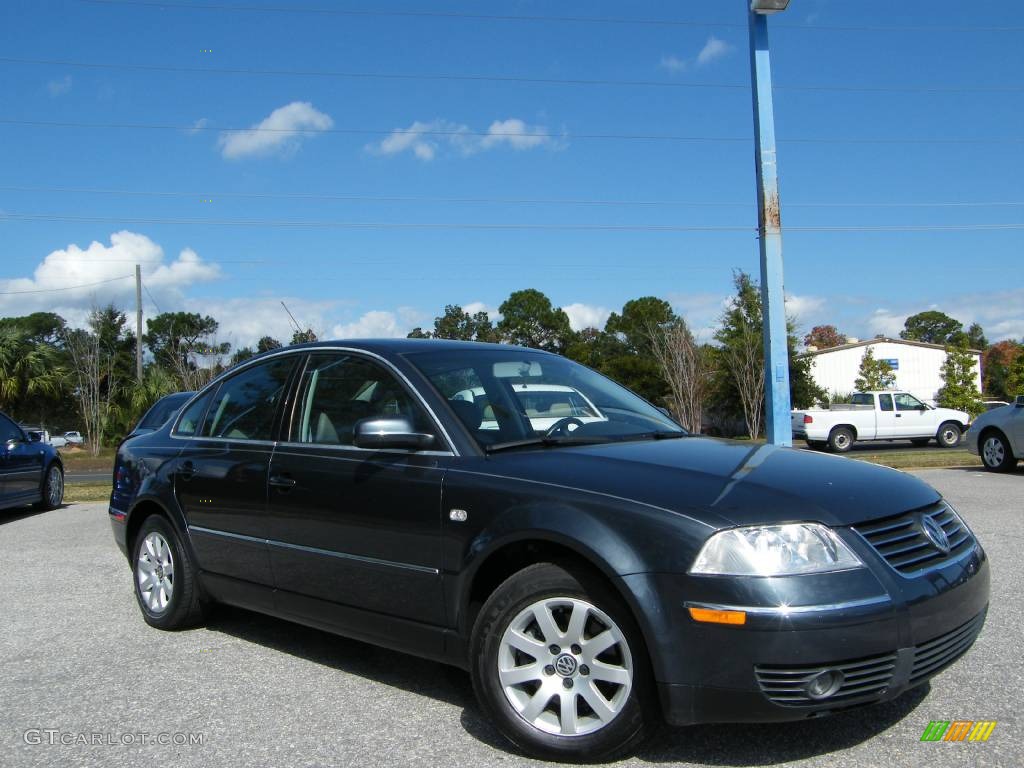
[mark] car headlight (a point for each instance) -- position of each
(775, 550)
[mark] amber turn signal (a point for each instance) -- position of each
(712, 616)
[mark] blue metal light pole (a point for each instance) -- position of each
(776, 353)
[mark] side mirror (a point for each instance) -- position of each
(377, 434)
(34, 437)
(1019, 402)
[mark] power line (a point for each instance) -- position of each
(67, 287)
(364, 198)
(537, 18)
(155, 305)
(513, 134)
(443, 77)
(393, 225)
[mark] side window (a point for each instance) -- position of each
(339, 390)
(245, 405)
(905, 402)
(191, 418)
(8, 430)
(885, 402)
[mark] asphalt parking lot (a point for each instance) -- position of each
(76, 658)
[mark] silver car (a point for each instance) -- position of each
(997, 436)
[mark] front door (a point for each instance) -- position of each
(913, 417)
(22, 465)
(358, 528)
(220, 480)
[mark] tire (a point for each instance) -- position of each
(51, 493)
(840, 440)
(921, 442)
(562, 597)
(995, 452)
(948, 435)
(161, 563)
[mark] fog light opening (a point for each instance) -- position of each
(824, 684)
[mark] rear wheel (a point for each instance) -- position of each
(995, 452)
(559, 665)
(948, 435)
(840, 440)
(165, 577)
(52, 491)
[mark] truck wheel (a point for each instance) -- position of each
(995, 452)
(840, 440)
(948, 435)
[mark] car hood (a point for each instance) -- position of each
(725, 482)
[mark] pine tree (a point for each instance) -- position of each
(959, 390)
(873, 374)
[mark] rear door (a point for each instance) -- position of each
(356, 527)
(885, 417)
(220, 479)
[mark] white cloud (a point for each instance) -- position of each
(586, 316)
(802, 308)
(674, 63)
(478, 306)
(71, 280)
(246, 319)
(197, 126)
(279, 132)
(375, 324)
(426, 139)
(883, 321)
(713, 50)
(59, 87)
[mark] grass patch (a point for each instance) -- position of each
(919, 460)
(83, 492)
(82, 461)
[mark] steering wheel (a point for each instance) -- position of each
(561, 427)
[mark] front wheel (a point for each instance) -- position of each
(165, 577)
(948, 435)
(559, 665)
(995, 453)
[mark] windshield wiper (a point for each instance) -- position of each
(665, 434)
(547, 442)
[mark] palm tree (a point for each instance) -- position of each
(26, 369)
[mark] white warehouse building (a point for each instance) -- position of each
(917, 365)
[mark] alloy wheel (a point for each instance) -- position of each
(565, 666)
(54, 487)
(155, 572)
(993, 452)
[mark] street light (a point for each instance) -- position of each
(773, 301)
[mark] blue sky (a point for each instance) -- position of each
(910, 115)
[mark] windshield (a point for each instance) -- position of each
(503, 396)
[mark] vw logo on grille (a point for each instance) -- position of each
(935, 534)
(565, 665)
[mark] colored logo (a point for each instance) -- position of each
(958, 730)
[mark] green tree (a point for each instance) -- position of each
(958, 389)
(632, 361)
(1015, 377)
(873, 374)
(418, 333)
(529, 320)
(27, 369)
(175, 337)
(458, 324)
(932, 326)
(304, 337)
(267, 343)
(976, 337)
(824, 337)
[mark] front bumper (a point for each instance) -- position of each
(879, 632)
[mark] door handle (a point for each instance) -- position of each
(186, 471)
(284, 482)
(899, 415)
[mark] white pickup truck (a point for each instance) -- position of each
(879, 416)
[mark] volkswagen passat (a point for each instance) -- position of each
(594, 577)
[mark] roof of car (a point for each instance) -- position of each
(403, 346)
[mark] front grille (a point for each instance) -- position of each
(867, 677)
(932, 657)
(902, 542)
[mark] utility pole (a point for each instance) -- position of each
(138, 322)
(773, 300)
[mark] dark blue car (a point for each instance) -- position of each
(593, 566)
(31, 471)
